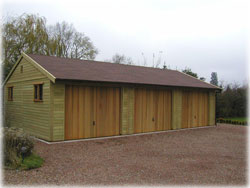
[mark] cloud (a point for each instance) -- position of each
(203, 35)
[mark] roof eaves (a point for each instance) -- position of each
(131, 83)
(216, 87)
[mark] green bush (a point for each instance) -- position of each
(220, 120)
(16, 143)
(233, 121)
(32, 161)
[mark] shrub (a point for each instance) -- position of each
(16, 143)
(32, 161)
(220, 120)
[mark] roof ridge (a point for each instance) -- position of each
(119, 64)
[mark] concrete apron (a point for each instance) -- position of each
(120, 136)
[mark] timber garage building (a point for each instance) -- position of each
(63, 99)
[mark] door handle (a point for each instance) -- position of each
(93, 122)
(153, 119)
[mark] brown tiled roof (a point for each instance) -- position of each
(74, 69)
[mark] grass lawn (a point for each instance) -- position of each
(32, 161)
(236, 119)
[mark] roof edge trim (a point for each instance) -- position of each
(34, 63)
(39, 67)
(130, 83)
(12, 70)
(216, 87)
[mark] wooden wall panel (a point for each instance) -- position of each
(206, 109)
(23, 112)
(200, 109)
(75, 112)
(83, 113)
(68, 112)
(176, 109)
(167, 110)
(29, 73)
(88, 112)
(195, 109)
(127, 111)
(211, 104)
(159, 110)
(203, 109)
(140, 110)
(141, 106)
(185, 109)
(149, 126)
(57, 94)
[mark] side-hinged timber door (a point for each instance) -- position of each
(194, 109)
(152, 110)
(91, 111)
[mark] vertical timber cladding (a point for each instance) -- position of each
(195, 108)
(127, 110)
(176, 109)
(57, 109)
(108, 111)
(152, 110)
(211, 120)
(91, 111)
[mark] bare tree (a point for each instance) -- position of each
(122, 59)
(30, 34)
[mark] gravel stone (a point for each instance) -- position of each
(205, 156)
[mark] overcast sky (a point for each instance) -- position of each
(204, 35)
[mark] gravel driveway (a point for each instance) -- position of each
(204, 156)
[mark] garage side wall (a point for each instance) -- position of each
(23, 112)
(211, 104)
(127, 110)
(57, 111)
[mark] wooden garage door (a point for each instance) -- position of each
(108, 111)
(194, 109)
(91, 111)
(152, 110)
